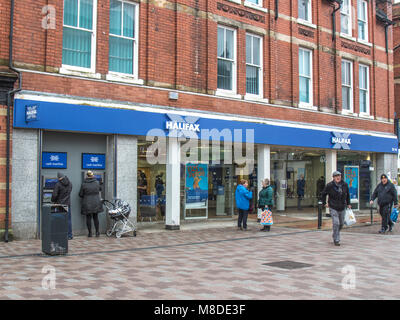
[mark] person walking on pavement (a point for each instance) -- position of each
(266, 199)
(91, 203)
(386, 193)
(62, 195)
(339, 197)
(243, 197)
(300, 191)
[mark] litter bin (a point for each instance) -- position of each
(54, 229)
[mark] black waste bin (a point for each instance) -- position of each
(54, 229)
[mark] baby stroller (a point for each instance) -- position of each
(119, 211)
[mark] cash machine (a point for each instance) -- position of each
(48, 184)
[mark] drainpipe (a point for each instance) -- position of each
(334, 20)
(10, 94)
(276, 9)
(334, 40)
(387, 25)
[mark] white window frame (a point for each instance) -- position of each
(119, 76)
(351, 86)
(359, 8)
(260, 69)
(309, 8)
(232, 92)
(367, 89)
(349, 26)
(68, 69)
(311, 94)
(256, 6)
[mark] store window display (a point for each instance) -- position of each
(358, 170)
(150, 185)
(295, 175)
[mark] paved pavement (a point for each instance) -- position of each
(217, 262)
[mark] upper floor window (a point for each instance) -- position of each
(305, 77)
(79, 34)
(364, 88)
(345, 18)
(123, 55)
(257, 2)
(226, 59)
(305, 10)
(253, 65)
(362, 10)
(347, 85)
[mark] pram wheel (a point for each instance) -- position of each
(134, 233)
(109, 233)
(118, 235)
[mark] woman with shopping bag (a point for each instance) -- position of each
(265, 203)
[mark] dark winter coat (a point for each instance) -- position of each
(386, 194)
(90, 192)
(301, 183)
(62, 192)
(266, 197)
(337, 200)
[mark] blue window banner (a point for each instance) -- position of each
(95, 161)
(106, 120)
(196, 185)
(351, 176)
(54, 160)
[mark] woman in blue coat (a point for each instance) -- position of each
(243, 197)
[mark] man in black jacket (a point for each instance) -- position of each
(62, 195)
(387, 195)
(339, 198)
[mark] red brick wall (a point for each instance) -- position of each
(178, 49)
(396, 55)
(3, 119)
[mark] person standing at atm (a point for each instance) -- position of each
(62, 195)
(91, 202)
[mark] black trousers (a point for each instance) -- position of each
(95, 217)
(243, 218)
(385, 212)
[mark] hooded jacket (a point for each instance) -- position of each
(243, 197)
(386, 194)
(62, 192)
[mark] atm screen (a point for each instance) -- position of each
(47, 197)
(98, 178)
(50, 183)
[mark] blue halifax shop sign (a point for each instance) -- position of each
(71, 117)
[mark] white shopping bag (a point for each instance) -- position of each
(349, 217)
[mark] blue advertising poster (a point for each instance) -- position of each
(93, 161)
(351, 177)
(197, 185)
(54, 160)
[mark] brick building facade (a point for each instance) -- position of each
(277, 63)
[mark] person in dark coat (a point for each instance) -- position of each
(387, 196)
(320, 187)
(266, 199)
(91, 202)
(301, 183)
(339, 198)
(62, 195)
